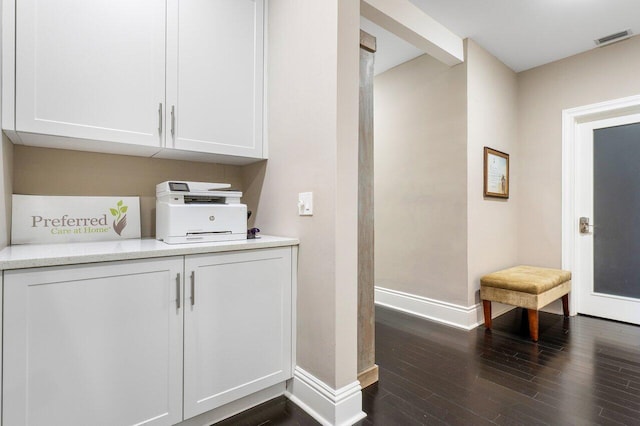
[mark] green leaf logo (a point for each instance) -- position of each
(120, 221)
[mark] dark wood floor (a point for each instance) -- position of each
(583, 371)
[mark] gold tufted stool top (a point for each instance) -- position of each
(528, 279)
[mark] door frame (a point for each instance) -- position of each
(571, 119)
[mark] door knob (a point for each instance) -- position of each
(584, 225)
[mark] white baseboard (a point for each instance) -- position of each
(330, 407)
(554, 307)
(465, 317)
(235, 407)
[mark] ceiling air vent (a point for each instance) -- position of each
(613, 38)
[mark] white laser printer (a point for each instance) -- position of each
(189, 212)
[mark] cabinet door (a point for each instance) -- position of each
(237, 326)
(215, 76)
(93, 344)
(92, 69)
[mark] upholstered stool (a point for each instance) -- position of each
(528, 287)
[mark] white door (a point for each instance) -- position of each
(608, 194)
(93, 344)
(91, 69)
(215, 76)
(237, 326)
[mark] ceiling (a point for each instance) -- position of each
(521, 33)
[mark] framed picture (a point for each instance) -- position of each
(496, 173)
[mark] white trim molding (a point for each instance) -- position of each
(464, 317)
(330, 407)
(571, 119)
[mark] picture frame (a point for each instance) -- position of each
(496, 173)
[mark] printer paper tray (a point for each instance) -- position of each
(205, 238)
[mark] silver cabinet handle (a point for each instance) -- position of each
(160, 118)
(178, 290)
(193, 288)
(173, 120)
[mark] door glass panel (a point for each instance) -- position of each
(616, 210)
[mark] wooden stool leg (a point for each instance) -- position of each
(486, 305)
(533, 324)
(565, 305)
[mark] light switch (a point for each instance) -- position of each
(305, 203)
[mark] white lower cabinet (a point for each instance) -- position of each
(97, 344)
(237, 326)
(103, 343)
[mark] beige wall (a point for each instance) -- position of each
(597, 75)
(518, 114)
(436, 234)
(420, 157)
(313, 146)
(492, 121)
(42, 171)
(6, 174)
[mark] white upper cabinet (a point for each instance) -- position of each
(215, 76)
(91, 69)
(169, 78)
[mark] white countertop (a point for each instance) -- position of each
(37, 255)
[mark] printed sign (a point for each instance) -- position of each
(39, 219)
